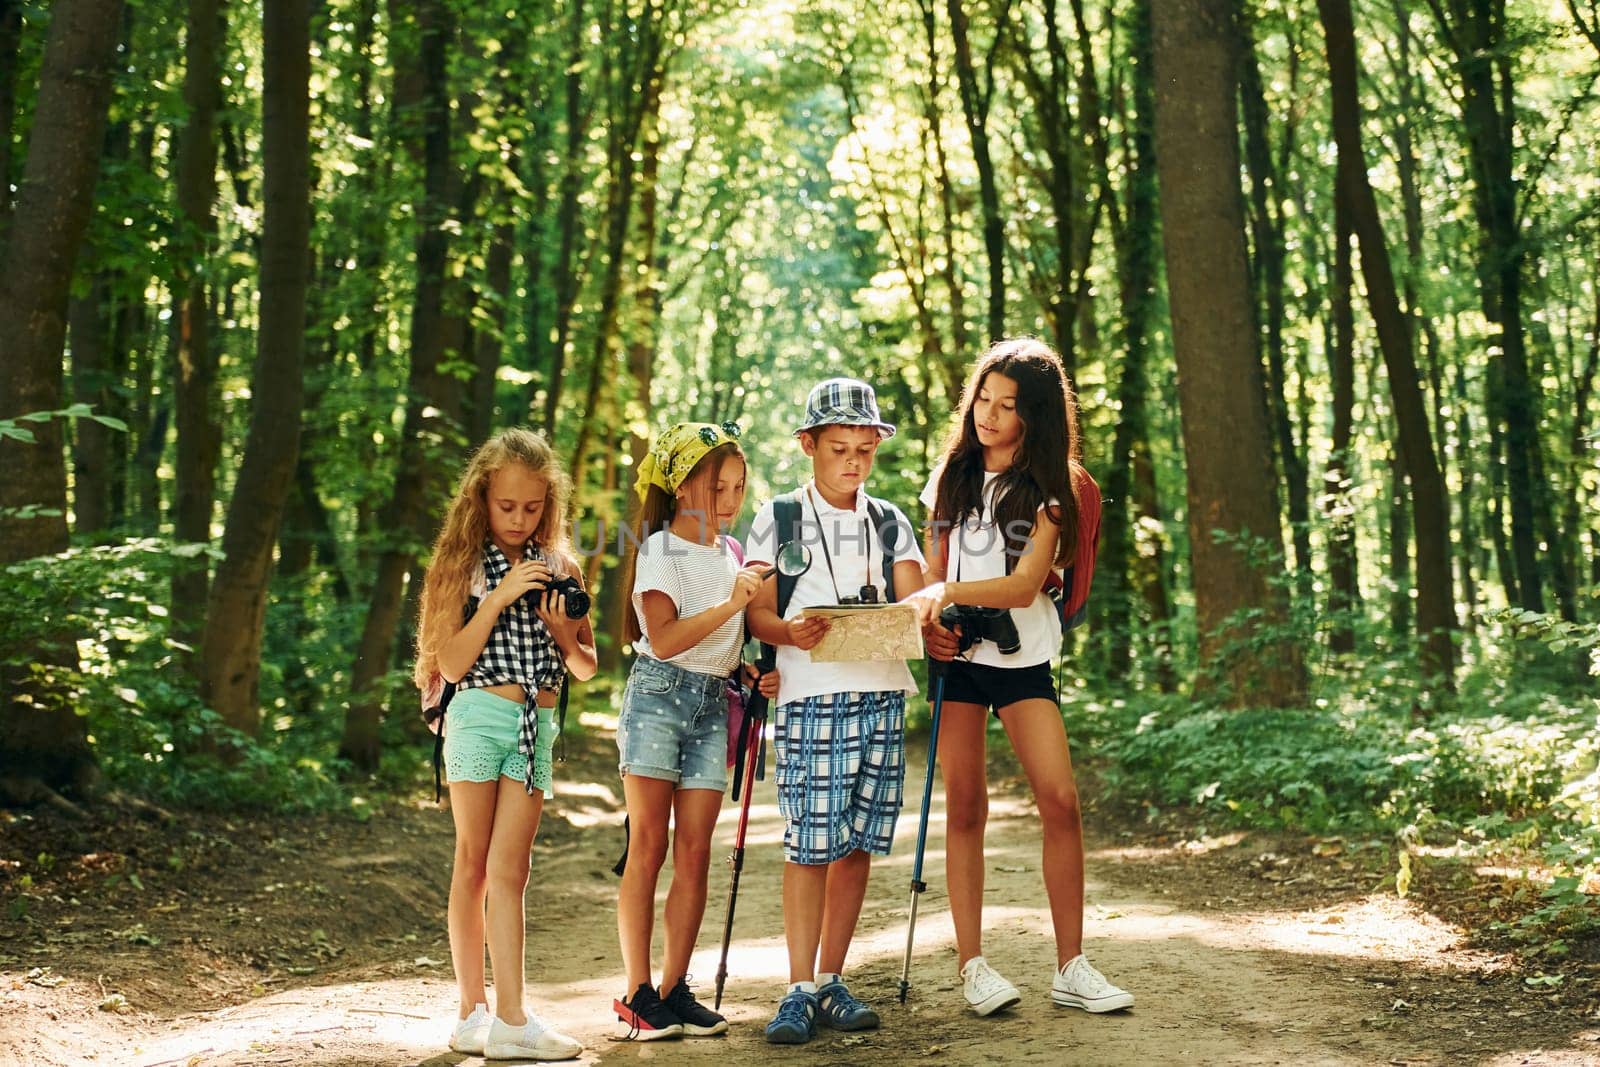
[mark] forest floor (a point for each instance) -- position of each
(205, 940)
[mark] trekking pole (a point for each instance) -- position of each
(755, 727)
(936, 673)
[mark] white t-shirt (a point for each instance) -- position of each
(978, 549)
(856, 557)
(697, 578)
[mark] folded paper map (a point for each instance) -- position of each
(859, 632)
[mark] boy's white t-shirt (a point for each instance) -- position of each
(697, 578)
(857, 558)
(980, 550)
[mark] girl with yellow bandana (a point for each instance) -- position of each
(688, 590)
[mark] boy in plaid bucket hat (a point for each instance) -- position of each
(838, 727)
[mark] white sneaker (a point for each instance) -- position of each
(534, 1040)
(470, 1032)
(985, 990)
(1078, 985)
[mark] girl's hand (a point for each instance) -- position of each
(523, 576)
(746, 584)
(765, 684)
(942, 644)
(552, 611)
(929, 601)
(804, 634)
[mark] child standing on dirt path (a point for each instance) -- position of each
(689, 589)
(839, 728)
(492, 625)
(1004, 513)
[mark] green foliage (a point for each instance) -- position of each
(150, 732)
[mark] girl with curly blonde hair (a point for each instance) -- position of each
(493, 625)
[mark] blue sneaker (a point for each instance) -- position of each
(796, 1021)
(841, 1011)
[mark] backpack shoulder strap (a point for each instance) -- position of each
(786, 525)
(885, 522)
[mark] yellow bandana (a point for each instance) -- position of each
(676, 452)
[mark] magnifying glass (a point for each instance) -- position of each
(794, 559)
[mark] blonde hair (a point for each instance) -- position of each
(459, 546)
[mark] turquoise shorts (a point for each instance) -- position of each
(480, 740)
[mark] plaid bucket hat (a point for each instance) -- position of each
(843, 402)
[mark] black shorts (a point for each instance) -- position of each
(997, 687)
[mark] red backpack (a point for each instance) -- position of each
(1069, 590)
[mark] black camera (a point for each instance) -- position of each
(577, 598)
(868, 594)
(982, 624)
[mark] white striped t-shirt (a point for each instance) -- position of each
(697, 578)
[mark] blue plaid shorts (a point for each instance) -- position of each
(841, 773)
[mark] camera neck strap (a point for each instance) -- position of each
(866, 536)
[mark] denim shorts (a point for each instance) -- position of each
(480, 740)
(674, 726)
(841, 774)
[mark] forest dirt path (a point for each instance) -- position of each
(321, 942)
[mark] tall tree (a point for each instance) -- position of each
(1436, 613)
(45, 739)
(975, 103)
(230, 663)
(199, 432)
(1225, 435)
(1479, 34)
(10, 45)
(420, 35)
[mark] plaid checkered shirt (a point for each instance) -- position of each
(520, 651)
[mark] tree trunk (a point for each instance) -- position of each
(10, 44)
(1477, 32)
(1269, 273)
(420, 87)
(45, 738)
(566, 274)
(975, 106)
(91, 384)
(638, 56)
(953, 364)
(199, 430)
(1344, 594)
(1225, 434)
(1135, 241)
(235, 612)
(1436, 613)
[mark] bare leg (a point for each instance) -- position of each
(472, 808)
(966, 812)
(694, 818)
(1040, 740)
(649, 807)
(846, 888)
(516, 821)
(804, 887)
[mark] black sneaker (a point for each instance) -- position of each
(697, 1019)
(648, 1019)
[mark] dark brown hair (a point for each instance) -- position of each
(1039, 471)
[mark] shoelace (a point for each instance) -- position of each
(986, 981)
(793, 1009)
(1085, 975)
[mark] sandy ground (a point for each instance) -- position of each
(1233, 956)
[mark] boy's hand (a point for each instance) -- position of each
(805, 633)
(942, 644)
